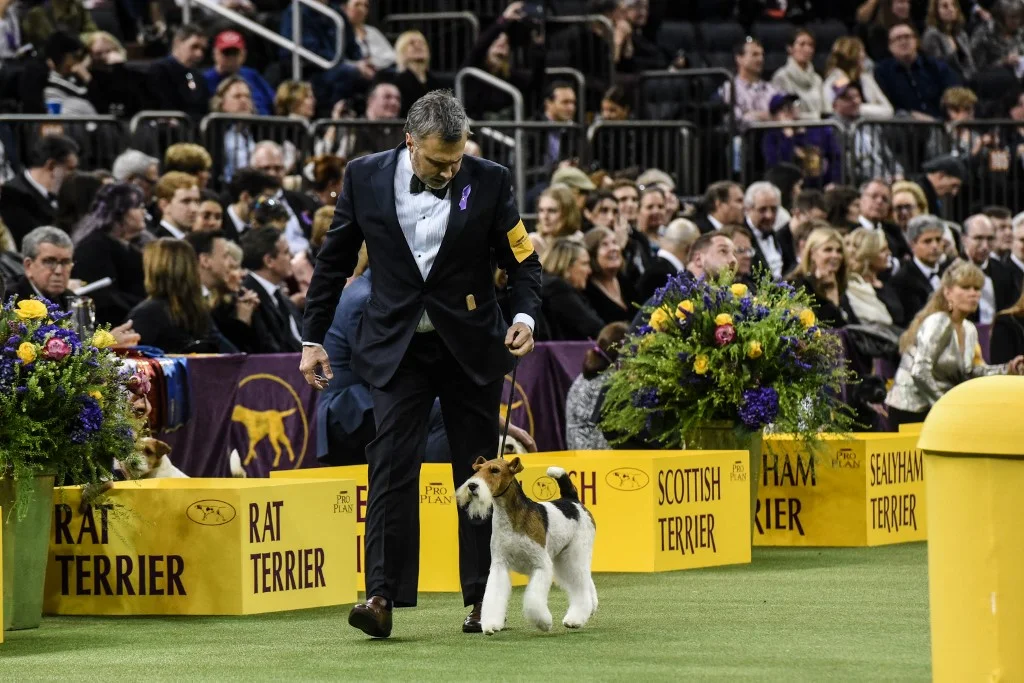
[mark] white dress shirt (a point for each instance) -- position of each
(175, 232)
(240, 225)
(272, 290)
(715, 223)
(987, 303)
(770, 249)
(297, 242)
(671, 258)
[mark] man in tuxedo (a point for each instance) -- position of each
(1015, 261)
(268, 157)
(276, 321)
(673, 252)
(920, 277)
(177, 197)
(762, 201)
(998, 292)
(723, 204)
(431, 219)
(30, 200)
(808, 206)
(875, 206)
(247, 185)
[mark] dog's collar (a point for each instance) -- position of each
(499, 495)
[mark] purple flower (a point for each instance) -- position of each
(90, 419)
(746, 304)
(759, 407)
(644, 330)
(724, 334)
(56, 349)
(645, 398)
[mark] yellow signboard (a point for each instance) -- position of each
(1, 572)
(863, 491)
(439, 523)
(203, 546)
(657, 510)
(911, 427)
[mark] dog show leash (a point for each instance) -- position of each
(508, 407)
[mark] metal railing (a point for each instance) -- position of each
(667, 145)
(893, 148)
(351, 137)
(581, 87)
(100, 138)
(993, 153)
(588, 20)
(295, 44)
(450, 35)
(818, 148)
(231, 138)
(152, 132)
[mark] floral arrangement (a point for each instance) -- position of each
(65, 404)
(714, 352)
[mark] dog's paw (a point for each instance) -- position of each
(491, 629)
(574, 621)
(541, 620)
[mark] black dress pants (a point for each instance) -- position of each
(401, 409)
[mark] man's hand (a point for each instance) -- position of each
(523, 437)
(519, 340)
(315, 366)
(125, 335)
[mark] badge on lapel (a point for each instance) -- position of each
(465, 197)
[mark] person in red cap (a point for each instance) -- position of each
(229, 60)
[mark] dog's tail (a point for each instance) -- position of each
(565, 486)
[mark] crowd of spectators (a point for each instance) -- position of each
(210, 247)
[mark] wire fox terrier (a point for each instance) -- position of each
(545, 541)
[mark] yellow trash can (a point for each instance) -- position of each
(973, 442)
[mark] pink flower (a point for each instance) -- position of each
(56, 349)
(724, 334)
(139, 384)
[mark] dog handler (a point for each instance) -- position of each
(431, 218)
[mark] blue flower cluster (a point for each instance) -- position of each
(46, 331)
(645, 398)
(759, 407)
(90, 420)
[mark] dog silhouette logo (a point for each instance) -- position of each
(544, 489)
(210, 512)
(739, 471)
(627, 479)
(275, 425)
(522, 414)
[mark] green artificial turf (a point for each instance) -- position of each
(793, 614)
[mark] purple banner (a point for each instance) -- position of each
(263, 408)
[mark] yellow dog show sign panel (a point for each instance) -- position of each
(657, 510)
(864, 490)
(439, 523)
(202, 547)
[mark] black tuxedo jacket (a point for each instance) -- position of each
(913, 288)
(270, 328)
(656, 275)
(1016, 276)
(23, 289)
(703, 224)
(785, 248)
(489, 223)
(23, 209)
(1003, 283)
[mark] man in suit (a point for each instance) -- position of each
(761, 202)
(998, 292)
(808, 206)
(723, 204)
(178, 83)
(276, 321)
(1015, 261)
(875, 207)
(30, 200)
(431, 219)
(673, 252)
(941, 181)
(921, 276)
(268, 157)
(247, 186)
(177, 197)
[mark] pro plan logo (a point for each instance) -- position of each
(210, 512)
(739, 471)
(846, 458)
(627, 479)
(544, 489)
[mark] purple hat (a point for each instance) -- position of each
(779, 101)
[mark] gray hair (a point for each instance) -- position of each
(46, 234)
(266, 144)
(131, 164)
(679, 233)
(437, 113)
(923, 223)
(760, 187)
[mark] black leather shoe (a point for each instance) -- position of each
(472, 622)
(372, 617)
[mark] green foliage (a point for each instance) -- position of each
(714, 352)
(65, 406)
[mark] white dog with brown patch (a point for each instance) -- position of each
(545, 541)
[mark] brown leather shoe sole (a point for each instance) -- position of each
(365, 621)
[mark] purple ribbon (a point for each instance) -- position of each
(465, 196)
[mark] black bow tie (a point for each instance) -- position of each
(416, 186)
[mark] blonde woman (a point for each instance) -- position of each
(872, 300)
(940, 348)
(847, 63)
(822, 271)
(565, 312)
(558, 215)
(412, 64)
(908, 201)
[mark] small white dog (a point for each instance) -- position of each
(545, 541)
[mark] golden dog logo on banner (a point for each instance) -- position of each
(269, 425)
(544, 489)
(627, 479)
(210, 512)
(520, 406)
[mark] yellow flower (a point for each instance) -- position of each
(723, 319)
(807, 317)
(660, 320)
(101, 339)
(31, 309)
(26, 352)
(754, 350)
(738, 290)
(700, 364)
(685, 306)
(96, 395)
